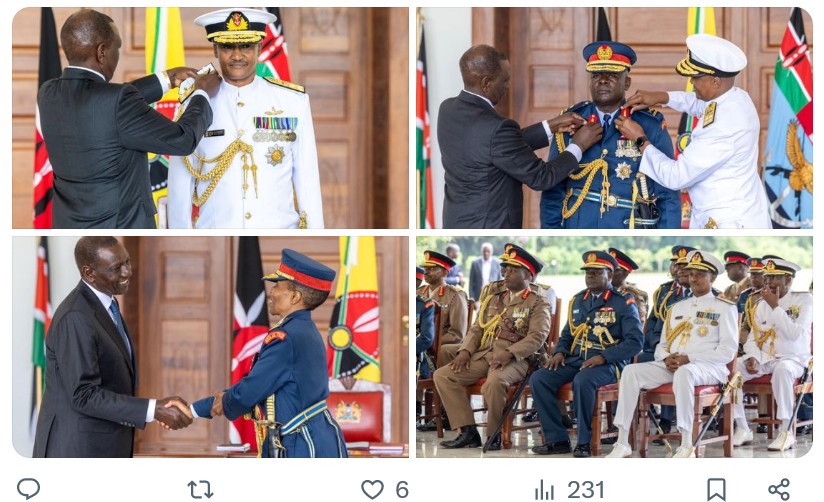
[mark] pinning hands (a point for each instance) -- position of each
(568, 122)
(179, 74)
(173, 413)
(645, 99)
(588, 135)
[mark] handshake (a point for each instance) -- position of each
(175, 413)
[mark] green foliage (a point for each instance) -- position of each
(562, 254)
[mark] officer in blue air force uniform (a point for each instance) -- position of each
(424, 329)
(602, 334)
(601, 193)
(287, 387)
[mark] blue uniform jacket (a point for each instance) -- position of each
(664, 297)
(621, 173)
(612, 310)
(742, 300)
(425, 331)
(292, 366)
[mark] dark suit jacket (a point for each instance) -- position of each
(476, 276)
(487, 158)
(98, 135)
(89, 408)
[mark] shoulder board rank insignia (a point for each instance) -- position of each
(288, 85)
(730, 302)
(630, 300)
(709, 114)
(428, 304)
(274, 335)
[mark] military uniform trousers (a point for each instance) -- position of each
(452, 388)
(545, 384)
(642, 376)
(784, 372)
(666, 411)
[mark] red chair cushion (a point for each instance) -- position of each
(701, 390)
(763, 379)
(359, 414)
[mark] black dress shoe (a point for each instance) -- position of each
(427, 426)
(761, 429)
(567, 422)
(803, 430)
(495, 445)
(613, 439)
(468, 438)
(556, 448)
(532, 416)
(582, 451)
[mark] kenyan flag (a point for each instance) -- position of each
(788, 155)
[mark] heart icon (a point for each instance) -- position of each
(372, 489)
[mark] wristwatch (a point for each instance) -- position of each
(640, 141)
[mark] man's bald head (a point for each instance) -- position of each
(83, 32)
(478, 62)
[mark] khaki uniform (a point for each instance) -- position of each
(735, 289)
(521, 329)
(641, 298)
(452, 301)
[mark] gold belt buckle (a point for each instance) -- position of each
(612, 201)
(711, 223)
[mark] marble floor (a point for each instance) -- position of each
(427, 446)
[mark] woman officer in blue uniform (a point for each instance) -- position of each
(285, 391)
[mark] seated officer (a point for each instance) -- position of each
(626, 266)
(608, 190)
(736, 264)
(602, 335)
(699, 340)
(512, 324)
(424, 329)
(287, 386)
(452, 301)
(778, 345)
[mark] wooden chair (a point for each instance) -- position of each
(364, 412)
(705, 396)
(429, 384)
(604, 397)
(762, 386)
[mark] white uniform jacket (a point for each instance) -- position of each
(712, 337)
(719, 168)
(276, 123)
(792, 323)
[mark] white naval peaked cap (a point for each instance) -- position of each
(777, 266)
(711, 55)
(235, 26)
(701, 260)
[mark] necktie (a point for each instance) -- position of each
(118, 321)
(606, 122)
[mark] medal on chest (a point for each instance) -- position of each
(604, 316)
(275, 129)
(519, 316)
(704, 319)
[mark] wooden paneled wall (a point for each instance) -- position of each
(354, 63)
(544, 47)
(179, 314)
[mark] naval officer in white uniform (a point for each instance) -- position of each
(719, 167)
(778, 344)
(700, 338)
(257, 166)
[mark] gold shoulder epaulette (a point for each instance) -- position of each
(543, 287)
(288, 85)
(457, 289)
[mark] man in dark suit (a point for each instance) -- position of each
(89, 408)
(487, 157)
(98, 133)
(478, 277)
